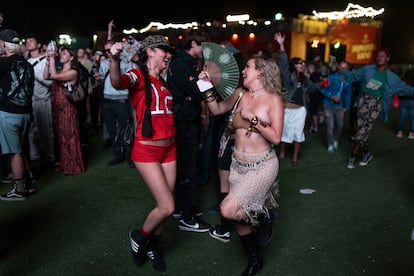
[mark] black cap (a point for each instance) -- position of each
(10, 36)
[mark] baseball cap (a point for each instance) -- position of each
(10, 36)
(155, 41)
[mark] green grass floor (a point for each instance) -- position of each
(358, 222)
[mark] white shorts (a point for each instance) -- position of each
(294, 125)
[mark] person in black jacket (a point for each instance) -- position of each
(187, 100)
(16, 91)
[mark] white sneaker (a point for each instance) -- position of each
(351, 163)
(366, 158)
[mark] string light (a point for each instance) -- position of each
(351, 11)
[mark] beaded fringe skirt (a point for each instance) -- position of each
(253, 182)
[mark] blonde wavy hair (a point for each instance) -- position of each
(270, 74)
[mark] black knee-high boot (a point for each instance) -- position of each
(255, 262)
(265, 230)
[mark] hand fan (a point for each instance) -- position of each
(222, 68)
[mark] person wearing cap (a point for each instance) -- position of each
(16, 90)
(154, 148)
(187, 108)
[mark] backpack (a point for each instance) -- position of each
(21, 89)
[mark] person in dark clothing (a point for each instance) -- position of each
(16, 91)
(187, 99)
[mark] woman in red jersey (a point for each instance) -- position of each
(154, 151)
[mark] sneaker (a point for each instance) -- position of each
(179, 214)
(335, 145)
(217, 233)
(31, 190)
(157, 260)
(330, 149)
(366, 158)
(30, 185)
(399, 134)
(7, 179)
(13, 195)
(138, 244)
(321, 119)
(193, 225)
(351, 163)
(154, 254)
(265, 231)
(411, 135)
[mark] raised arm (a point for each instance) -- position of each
(111, 26)
(210, 98)
(114, 65)
(280, 39)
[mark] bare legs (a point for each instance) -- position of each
(160, 180)
(296, 150)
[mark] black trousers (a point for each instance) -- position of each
(117, 114)
(186, 190)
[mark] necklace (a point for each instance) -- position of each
(253, 92)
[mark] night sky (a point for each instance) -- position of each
(48, 18)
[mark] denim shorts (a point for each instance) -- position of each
(13, 131)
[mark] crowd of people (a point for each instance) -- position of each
(154, 115)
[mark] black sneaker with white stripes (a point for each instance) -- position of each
(138, 244)
(155, 255)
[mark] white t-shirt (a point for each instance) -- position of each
(42, 87)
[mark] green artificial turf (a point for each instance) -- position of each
(358, 222)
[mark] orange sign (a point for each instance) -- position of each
(363, 42)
